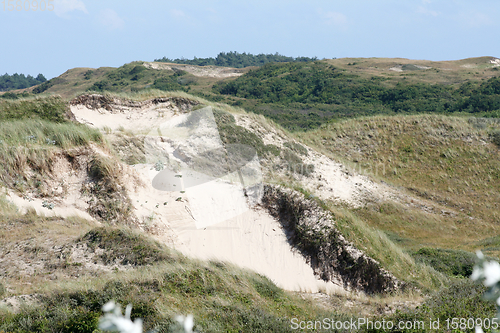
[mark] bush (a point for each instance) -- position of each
(125, 246)
(450, 262)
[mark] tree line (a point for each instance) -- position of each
(19, 81)
(237, 60)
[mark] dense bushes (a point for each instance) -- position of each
(237, 60)
(450, 262)
(303, 95)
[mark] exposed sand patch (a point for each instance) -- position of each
(207, 71)
(330, 180)
(398, 68)
(137, 117)
(70, 207)
(495, 62)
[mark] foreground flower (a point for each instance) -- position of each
(186, 322)
(113, 320)
(491, 273)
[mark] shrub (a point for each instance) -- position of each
(495, 137)
(125, 246)
(450, 262)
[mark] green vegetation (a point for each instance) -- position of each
(463, 299)
(237, 60)
(51, 108)
(230, 133)
(305, 95)
(436, 159)
(19, 81)
(454, 263)
(158, 282)
(32, 145)
(126, 247)
(135, 76)
(448, 165)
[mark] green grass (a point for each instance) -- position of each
(447, 161)
(126, 247)
(33, 144)
(222, 297)
(453, 263)
(51, 108)
(462, 299)
(376, 244)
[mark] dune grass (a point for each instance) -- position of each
(52, 108)
(451, 162)
(32, 144)
(392, 257)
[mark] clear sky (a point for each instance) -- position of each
(91, 33)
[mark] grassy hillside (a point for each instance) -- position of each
(450, 161)
(70, 267)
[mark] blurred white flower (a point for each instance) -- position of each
(479, 329)
(186, 322)
(114, 321)
(477, 273)
(491, 273)
(480, 255)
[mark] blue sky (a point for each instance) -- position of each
(90, 33)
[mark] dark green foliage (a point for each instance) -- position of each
(79, 311)
(125, 247)
(234, 134)
(304, 95)
(135, 76)
(47, 84)
(12, 95)
(296, 148)
(450, 262)
(168, 83)
(19, 81)
(223, 118)
(88, 74)
(237, 60)
(48, 108)
(230, 133)
(268, 289)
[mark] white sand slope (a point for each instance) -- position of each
(214, 220)
(249, 238)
